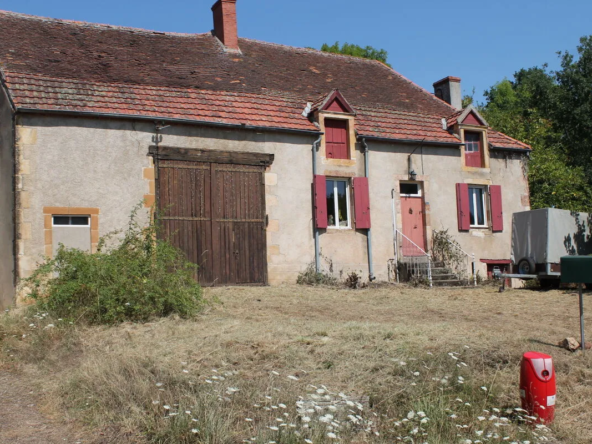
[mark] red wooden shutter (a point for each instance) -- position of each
(362, 202)
(336, 139)
(320, 201)
(497, 215)
(462, 205)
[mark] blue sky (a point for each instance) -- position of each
(480, 41)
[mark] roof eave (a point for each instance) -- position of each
(424, 141)
(165, 119)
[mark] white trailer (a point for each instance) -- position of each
(541, 237)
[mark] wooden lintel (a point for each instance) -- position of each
(213, 156)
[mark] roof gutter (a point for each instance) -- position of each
(164, 119)
(516, 150)
(414, 141)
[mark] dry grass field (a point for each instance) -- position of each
(300, 364)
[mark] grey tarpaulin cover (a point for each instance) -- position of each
(548, 234)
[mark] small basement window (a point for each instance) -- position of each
(338, 204)
(78, 221)
(478, 206)
(409, 189)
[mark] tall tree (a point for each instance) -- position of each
(525, 109)
(573, 112)
(350, 49)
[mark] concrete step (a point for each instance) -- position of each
(439, 271)
(444, 277)
(448, 283)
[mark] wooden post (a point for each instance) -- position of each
(582, 318)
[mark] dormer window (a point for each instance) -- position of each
(336, 139)
(473, 150)
(337, 121)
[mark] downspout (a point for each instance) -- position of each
(371, 276)
(395, 234)
(315, 147)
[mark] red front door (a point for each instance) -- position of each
(413, 225)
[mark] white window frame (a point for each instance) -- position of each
(419, 191)
(70, 216)
(473, 204)
(336, 204)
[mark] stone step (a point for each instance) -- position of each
(444, 277)
(448, 283)
(439, 271)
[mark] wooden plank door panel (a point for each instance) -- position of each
(215, 213)
(413, 225)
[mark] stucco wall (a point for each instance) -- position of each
(102, 163)
(440, 170)
(6, 202)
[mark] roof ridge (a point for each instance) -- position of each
(97, 25)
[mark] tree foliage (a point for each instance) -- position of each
(351, 49)
(552, 112)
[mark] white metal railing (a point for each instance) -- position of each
(417, 261)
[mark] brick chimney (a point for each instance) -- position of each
(225, 27)
(448, 89)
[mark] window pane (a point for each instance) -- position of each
(79, 220)
(331, 203)
(61, 220)
(409, 188)
(472, 142)
(480, 209)
(342, 202)
(476, 206)
(472, 205)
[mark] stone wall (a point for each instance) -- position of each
(104, 164)
(6, 202)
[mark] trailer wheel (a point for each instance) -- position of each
(526, 266)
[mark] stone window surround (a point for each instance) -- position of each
(484, 144)
(49, 212)
(351, 129)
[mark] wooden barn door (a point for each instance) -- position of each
(238, 229)
(215, 213)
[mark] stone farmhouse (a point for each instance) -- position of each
(264, 158)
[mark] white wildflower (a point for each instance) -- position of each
(194, 431)
(331, 435)
(249, 419)
(293, 378)
(274, 428)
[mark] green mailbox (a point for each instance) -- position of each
(576, 269)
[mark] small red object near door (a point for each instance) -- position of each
(537, 386)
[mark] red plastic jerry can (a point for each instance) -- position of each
(537, 386)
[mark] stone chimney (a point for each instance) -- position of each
(225, 27)
(448, 89)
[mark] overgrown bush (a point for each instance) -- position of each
(135, 277)
(310, 276)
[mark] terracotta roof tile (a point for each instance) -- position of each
(45, 93)
(61, 65)
(109, 54)
(500, 140)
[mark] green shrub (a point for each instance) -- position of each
(310, 276)
(133, 277)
